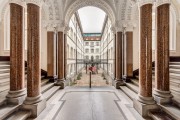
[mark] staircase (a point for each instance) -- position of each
(169, 111)
(13, 112)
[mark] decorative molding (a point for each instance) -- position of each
(161, 2)
(36, 2)
(19, 2)
(144, 2)
(82, 3)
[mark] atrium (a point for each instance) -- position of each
(89, 59)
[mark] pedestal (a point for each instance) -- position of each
(144, 104)
(162, 97)
(62, 83)
(117, 83)
(16, 97)
(35, 104)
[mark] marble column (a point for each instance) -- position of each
(17, 91)
(34, 100)
(51, 56)
(162, 91)
(128, 66)
(114, 56)
(61, 59)
(65, 55)
(145, 101)
(118, 77)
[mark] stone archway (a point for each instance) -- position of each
(83, 3)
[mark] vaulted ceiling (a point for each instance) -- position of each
(57, 11)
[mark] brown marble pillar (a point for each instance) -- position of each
(128, 57)
(145, 101)
(51, 56)
(17, 89)
(34, 99)
(145, 65)
(114, 56)
(118, 77)
(162, 91)
(61, 60)
(65, 55)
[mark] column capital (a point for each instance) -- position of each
(56, 25)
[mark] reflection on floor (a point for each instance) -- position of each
(83, 103)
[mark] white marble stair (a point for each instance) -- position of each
(131, 94)
(4, 66)
(7, 110)
(4, 82)
(159, 115)
(4, 71)
(46, 87)
(19, 115)
(49, 93)
(4, 75)
(171, 110)
(133, 87)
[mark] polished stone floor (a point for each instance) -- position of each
(83, 103)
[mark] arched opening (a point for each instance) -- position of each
(91, 40)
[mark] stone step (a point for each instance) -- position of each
(7, 110)
(133, 87)
(48, 94)
(20, 115)
(131, 94)
(46, 87)
(159, 115)
(175, 82)
(4, 75)
(174, 63)
(44, 82)
(171, 110)
(4, 81)
(174, 71)
(2, 66)
(4, 62)
(4, 71)
(175, 89)
(4, 88)
(135, 82)
(176, 100)
(174, 66)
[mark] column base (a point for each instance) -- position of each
(52, 78)
(62, 83)
(117, 83)
(35, 104)
(127, 78)
(162, 97)
(144, 104)
(16, 97)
